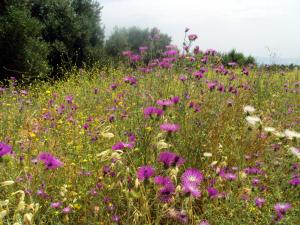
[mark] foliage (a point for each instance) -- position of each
(132, 38)
(53, 33)
(238, 57)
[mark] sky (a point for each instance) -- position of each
(255, 27)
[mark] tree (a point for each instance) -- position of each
(132, 38)
(23, 51)
(38, 34)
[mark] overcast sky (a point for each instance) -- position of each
(250, 26)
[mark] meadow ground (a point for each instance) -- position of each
(190, 144)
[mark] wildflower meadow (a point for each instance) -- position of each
(180, 139)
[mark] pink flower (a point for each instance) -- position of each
(169, 127)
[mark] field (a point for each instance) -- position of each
(186, 141)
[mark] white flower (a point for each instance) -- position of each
(207, 154)
(249, 109)
(290, 134)
(295, 151)
(269, 129)
(253, 120)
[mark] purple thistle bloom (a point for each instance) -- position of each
(69, 99)
(212, 192)
(191, 176)
(259, 202)
(227, 175)
(130, 80)
(5, 149)
(281, 209)
(198, 74)
(295, 181)
(150, 111)
(211, 85)
(50, 161)
(253, 170)
(204, 222)
(55, 205)
(67, 210)
(182, 78)
(122, 145)
(145, 172)
(167, 190)
(165, 103)
(170, 159)
(116, 218)
(191, 189)
(135, 58)
(192, 37)
(169, 127)
(175, 99)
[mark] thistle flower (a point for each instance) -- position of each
(145, 172)
(204, 222)
(55, 205)
(67, 210)
(150, 111)
(170, 159)
(281, 209)
(5, 149)
(167, 190)
(295, 181)
(192, 37)
(169, 127)
(69, 99)
(122, 145)
(50, 161)
(191, 176)
(259, 202)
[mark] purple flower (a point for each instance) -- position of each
(167, 190)
(67, 210)
(169, 127)
(198, 74)
(212, 192)
(5, 149)
(191, 176)
(182, 78)
(127, 53)
(259, 202)
(150, 111)
(170, 159)
(253, 170)
(145, 172)
(122, 145)
(165, 103)
(50, 161)
(204, 222)
(281, 209)
(175, 99)
(192, 189)
(192, 37)
(130, 80)
(116, 218)
(295, 181)
(69, 99)
(135, 58)
(143, 49)
(56, 205)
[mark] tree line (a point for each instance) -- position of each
(43, 38)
